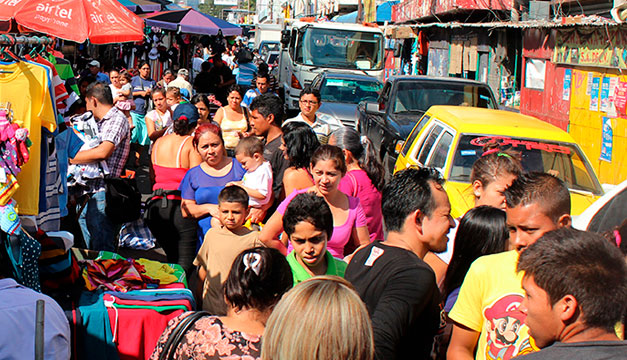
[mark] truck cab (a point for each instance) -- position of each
(308, 48)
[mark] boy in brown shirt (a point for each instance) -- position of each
(222, 245)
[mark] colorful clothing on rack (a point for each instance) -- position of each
(116, 275)
(26, 86)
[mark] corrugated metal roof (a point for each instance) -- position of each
(560, 23)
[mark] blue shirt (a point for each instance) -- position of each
(203, 188)
(251, 94)
(68, 144)
(139, 84)
(246, 73)
(17, 324)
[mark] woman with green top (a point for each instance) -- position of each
(308, 223)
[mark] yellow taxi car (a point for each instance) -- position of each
(451, 138)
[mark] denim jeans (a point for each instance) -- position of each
(98, 231)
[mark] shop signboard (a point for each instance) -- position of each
(577, 47)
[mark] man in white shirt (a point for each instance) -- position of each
(309, 103)
(181, 81)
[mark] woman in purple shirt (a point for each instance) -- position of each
(364, 178)
(349, 222)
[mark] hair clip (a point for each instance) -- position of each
(491, 151)
(618, 237)
(504, 154)
(252, 261)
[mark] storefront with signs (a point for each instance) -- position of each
(574, 77)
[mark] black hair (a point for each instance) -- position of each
(300, 143)
(408, 191)
(249, 146)
(235, 87)
(167, 72)
(101, 92)
(309, 90)
(310, 208)
(142, 63)
(482, 231)
(330, 152)
(263, 74)
(201, 98)
(233, 194)
(258, 287)
(268, 104)
(540, 188)
(88, 79)
(205, 66)
(363, 151)
(582, 264)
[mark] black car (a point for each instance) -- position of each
(404, 99)
(342, 91)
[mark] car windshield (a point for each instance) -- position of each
(349, 91)
(418, 97)
(563, 160)
(344, 49)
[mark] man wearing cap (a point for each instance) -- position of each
(181, 81)
(94, 71)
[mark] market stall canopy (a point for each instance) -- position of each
(192, 22)
(100, 21)
(143, 5)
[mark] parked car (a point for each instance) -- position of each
(451, 139)
(606, 213)
(404, 99)
(342, 91)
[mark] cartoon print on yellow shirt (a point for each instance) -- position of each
(504, 321)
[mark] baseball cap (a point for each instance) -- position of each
(153, 54)
(94, 63)
(187, 111)
(183, 72)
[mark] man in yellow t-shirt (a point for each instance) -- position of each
(489, 323)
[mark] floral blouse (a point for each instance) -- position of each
(208, 338)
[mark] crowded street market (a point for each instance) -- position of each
(329, 179)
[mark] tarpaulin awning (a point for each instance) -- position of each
(102, 21)
(143, 5)
(192, 22)
(384, 13)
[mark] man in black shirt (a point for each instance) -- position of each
(220, 79)
(397, 286)
(575, 284)
(266, 117)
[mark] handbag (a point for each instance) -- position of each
(177, 334)
(123, 200)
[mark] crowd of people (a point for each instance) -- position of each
(303, 250)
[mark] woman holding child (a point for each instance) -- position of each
(202, 184)
(349, 223)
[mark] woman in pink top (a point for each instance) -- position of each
(365, 176)
(172, 156)
(349, 222)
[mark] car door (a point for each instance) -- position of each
(377, 123)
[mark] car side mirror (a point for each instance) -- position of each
(286, 37)
(373, 108)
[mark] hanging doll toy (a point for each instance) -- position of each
(14, 143)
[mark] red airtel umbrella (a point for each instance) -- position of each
(100, 21)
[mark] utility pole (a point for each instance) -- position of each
(360, 11)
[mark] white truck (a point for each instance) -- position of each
(308, 48)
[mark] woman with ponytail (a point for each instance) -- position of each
(364, 178)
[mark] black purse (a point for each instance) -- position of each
(177, 334)
(123, 200)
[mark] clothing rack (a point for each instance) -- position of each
(8, 39)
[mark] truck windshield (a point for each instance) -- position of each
(345, 49)
(418, 97)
